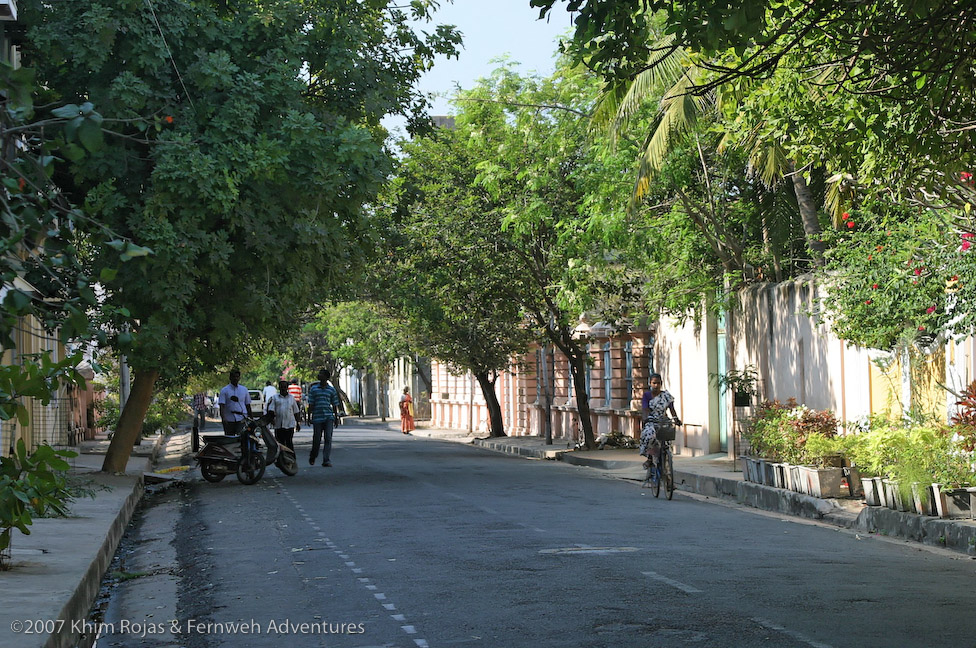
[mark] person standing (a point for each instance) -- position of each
(268, 393)
(323, 408)
(200, 407)
(296, 391)
(232, 411)
(655, 403)
(407, 424)
(283, 407)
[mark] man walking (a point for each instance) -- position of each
(232, 411)
(323, 408)
(284, 408)
(268, 392)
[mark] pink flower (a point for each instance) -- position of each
(867, 301)
(921, 328)
(967, 235)
(918, 271)
(874, 286)
(845, 216)
(930, 310)
(850, 224)
(966, 245)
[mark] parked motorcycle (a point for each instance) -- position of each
(248, 457)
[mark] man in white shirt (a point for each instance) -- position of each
(231, 411)
(285, 409)
(269, 392)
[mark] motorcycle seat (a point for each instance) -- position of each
(221, 439)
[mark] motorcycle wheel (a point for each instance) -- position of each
(286, 463)
(209, 472)
(250, 468)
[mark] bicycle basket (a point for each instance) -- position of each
(665, 431)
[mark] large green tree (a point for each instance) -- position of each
(447, 272)
(242, 140)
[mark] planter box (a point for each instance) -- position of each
(781, 475)
(768, 472)
(855, 487)
(893, 497)
(797, 479)
(748, 468)
(958, 503)
(873, 491)
(939, 506)
(922, 500)
(822, 482)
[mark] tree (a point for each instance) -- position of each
(42, 250)
(362, 335)
(446, 265)
(536, 167)
(243, 139)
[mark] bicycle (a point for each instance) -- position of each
(663, 469)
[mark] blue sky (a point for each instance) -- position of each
(491, 29)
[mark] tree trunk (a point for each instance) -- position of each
(577, 365)
(130, 422)
(495, 420)
(808, 215)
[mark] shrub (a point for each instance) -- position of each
(793, 433)
(31, 485)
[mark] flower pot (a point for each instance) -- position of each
(922, 499)
(873, 495)
(823, 482)
(780, 475)
(958, 504)
(893, 498)
(940, 508)
(797, 481)
(855, 487)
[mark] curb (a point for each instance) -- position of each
(84, 595)
(531, 453)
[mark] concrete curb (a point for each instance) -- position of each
(522, 451)
(82, 599)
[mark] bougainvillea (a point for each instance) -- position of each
(902, 275)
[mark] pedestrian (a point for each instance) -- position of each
(296, 390)
(268, 393)
(323, 409)
(200, 406)
(406, 412)
(232, 411)
(283, 409)
(655, 403)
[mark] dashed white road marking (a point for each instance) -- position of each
(687, 589)
(379, 596)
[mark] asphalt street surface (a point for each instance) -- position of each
(411, 542)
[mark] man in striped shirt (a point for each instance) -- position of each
(323, 408)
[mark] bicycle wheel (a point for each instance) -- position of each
(667, 473)
(655, 476)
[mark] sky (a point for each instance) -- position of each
(491, 29)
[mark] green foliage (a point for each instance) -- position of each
(242, 150)
(898, 276)
(793, 433)
(31, 485)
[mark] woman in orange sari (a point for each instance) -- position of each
(406, 412)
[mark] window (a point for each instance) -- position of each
(607, 374)
(629, 359)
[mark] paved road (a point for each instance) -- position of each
(412, 542)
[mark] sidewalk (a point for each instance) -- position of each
(57, 569)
